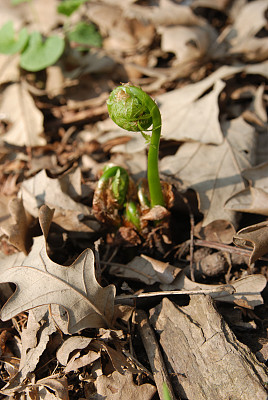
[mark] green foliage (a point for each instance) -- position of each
(166, 392)
(16, 2)
(134, 110)
(67, 7)
(85, 34)
(128, 110)
(40, 54)
(119, 182)
(37, 52)
(8, 43)
(132, 214)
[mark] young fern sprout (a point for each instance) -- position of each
(119, 186)
(134, 110)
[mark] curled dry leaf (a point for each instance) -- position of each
(9, 68)
(242, 35)
(254, 237)
(19, 109)
(69, 214)
(71, 349)
(17, 232)
(119, 361)
(247, 290)
(253, 199)
(147, 270)
(41, 281)
(56, 384)
(70, 345)
(166, 13)
(217, 231)
(156, 213)
(118, 387)
(187, 42)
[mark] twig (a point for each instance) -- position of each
(225, 288)
(191, 216)
(138, 364)
(225, 247)
(154, 355)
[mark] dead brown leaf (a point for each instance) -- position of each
(70, 345)
(18, 230)
(188, 115)
(217, 231)
(34, 340)
(26, 119)
(69, 353)
(253, 199)
(56, 383)
(41, 281)
(214, 172)
(150, 271)
(9, 68)
(189, 43)
(247, 290)
(156, 213)
(69, 214)
(254, 237)
(147, 270)
(118, 387)
(242, 34)
(165, 13)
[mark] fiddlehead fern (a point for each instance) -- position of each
(134, 110)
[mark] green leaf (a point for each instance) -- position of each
(86, 34)
(166, 392)
(16, 2)
(8, 43)
(40, 54)
(67, 7)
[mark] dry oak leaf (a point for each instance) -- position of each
(41, 281)
(214, 172)
(254, 237)
(117, 387)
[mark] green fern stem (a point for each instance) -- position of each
(134, 110)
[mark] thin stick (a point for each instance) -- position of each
(154, 355)
(225, 247)
(226, 288)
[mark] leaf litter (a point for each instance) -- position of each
(71, 334)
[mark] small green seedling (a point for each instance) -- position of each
(68, 7)
(86, 35)
(40, 53)
(37, 52)
(9, 43)
(134, 110)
